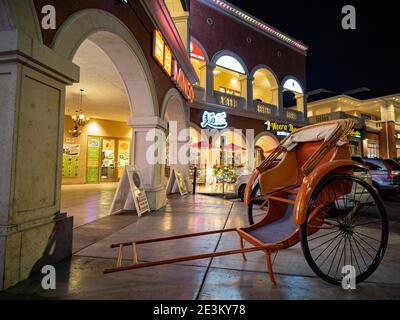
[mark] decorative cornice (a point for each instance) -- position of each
(255, 23)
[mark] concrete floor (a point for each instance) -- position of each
(229, 277)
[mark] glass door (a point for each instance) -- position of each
(124, 156)
(108, 157)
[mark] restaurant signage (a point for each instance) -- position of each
(281, 129)
(355, 133)
(214, 120)
(163, 55)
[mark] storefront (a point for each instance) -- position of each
(116, 39)
(98, 154)
(225, 146)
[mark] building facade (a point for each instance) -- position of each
(377, 132)
(251, 77)
(48, 51)
(84, 82)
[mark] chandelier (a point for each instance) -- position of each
(80, 120)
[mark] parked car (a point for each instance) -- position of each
(384, 178)
(243, 179)
(240, 185)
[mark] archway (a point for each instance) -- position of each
(264, 144)
(230, 80)
(199, 59)
(175, 114)
(265, 88)
(293, 98)
(113, 38)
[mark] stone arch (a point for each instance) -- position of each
(265, 84)
(232, 54)
(272, 73)
(20, 15)
(106, 30)
(203, 50)
(267, 135)
(173, 108)
(285, 79)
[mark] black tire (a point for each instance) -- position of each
(241, 190)
(360, 208)
(250, 205)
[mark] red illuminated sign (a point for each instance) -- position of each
(182, 82)
(195, 52)
(163, 55)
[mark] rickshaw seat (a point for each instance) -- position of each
(276, 231)
(282, 176)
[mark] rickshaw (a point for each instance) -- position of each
(304, 192)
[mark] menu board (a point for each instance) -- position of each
(93, 155)
(130, 193)
(70, 164)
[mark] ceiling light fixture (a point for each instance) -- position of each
(79, 118)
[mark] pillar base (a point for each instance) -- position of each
(27, 251)
(157, 198)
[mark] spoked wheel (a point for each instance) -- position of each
(254, 214)
(346, 226)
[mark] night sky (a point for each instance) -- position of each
(338, 59)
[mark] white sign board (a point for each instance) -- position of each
(176, 182)
(214, 120)
(130, 193)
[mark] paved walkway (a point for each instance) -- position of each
(229, 277)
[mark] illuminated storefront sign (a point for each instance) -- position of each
(168, 61)
(183, 84)
(214, 120)
(281, 129)
(355, 134)
(158, 47)
(163, 55)
(195, 52)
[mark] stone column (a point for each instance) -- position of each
(33, 232)
(281, 111)
(246, 84)
(276, 98)
(152, 171)
(301, 105)
(210, 82)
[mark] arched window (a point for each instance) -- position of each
(198, 59)
(265, 87)
(293, 85)
(229, 75)
(230, 63)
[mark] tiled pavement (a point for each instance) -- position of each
(229, 277)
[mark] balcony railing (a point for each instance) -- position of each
(265, 108)
(294, 115)
(334, 116)
(229, 100)
(374, 125)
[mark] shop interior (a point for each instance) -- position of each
(219, 158)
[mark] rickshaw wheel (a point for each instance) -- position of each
(251, 204)
(346, 225)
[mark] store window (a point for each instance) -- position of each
(218, 160)
(373, 149)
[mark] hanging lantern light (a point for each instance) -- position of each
(80, 120)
